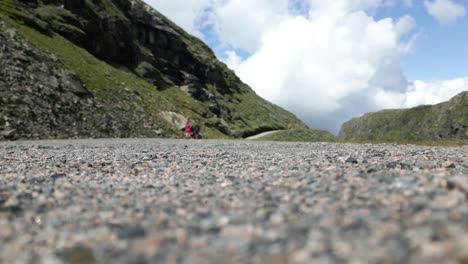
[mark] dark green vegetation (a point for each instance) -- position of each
(130, 64)
(444, 123)
(300, 135)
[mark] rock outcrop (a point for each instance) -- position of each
(109, 68)
(427, 122)
(40, 99)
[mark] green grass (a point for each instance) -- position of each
(102, 79)
(108, 6)
(7, 7)
(17, 12)
(113, 10)
(123, 90)
(459, 108)
(409, 125)
(193, 110)
(146, 70)
(246, 109)
(240, 107)
(300, 135)
(59, 19)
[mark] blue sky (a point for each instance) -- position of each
(328, 61)
(441, 51)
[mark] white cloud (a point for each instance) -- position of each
(232, 59)
(240, 23)
(405, 24)
(183, 12)
(445, 11)
(329, 67)
(420, 92)
(326, 64)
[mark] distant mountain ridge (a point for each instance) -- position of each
(428, 122)
(117, 68)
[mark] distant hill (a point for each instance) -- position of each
(428, 122)
(117, 68)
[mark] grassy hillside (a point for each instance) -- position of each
(131, 78)
(428, 122)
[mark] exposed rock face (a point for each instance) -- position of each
(428, 122)
(175, 119)
(38, 98)
(130, 37)
(42, 100)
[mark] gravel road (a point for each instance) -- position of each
(187, 201)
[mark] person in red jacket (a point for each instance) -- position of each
(188, 129)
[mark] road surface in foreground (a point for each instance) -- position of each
(187, 201)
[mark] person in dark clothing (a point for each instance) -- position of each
(196, 131)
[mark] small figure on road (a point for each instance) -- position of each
(196, 131)
(188, 128)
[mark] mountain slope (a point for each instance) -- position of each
(117, 68)
(427, 122)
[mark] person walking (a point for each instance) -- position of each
(196, 131)
(188, 129)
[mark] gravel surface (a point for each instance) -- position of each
(187, 201)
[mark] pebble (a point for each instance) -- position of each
(212, 201)
(448, 164)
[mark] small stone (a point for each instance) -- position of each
(391, 165)
(434, 251)
(57, 176)
(351, 160)
(59, 195)
(452, 200)
(12, 202)
(461, 183)
(77, 255)
(150, 244)
(235, 237)
(150, 157)
(67, 185)
(126, 231)
(300, 256)
(447, 164)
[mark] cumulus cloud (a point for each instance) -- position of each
(445, 11)
(331, 66)
(420, 92)
(326, 61)
(239, 23)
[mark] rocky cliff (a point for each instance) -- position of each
(427, 122)
(116, 68)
